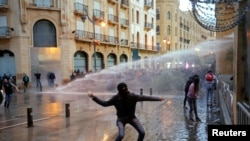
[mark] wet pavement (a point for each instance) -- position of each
(87, 121)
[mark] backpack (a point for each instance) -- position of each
(26, 79)
(209, 77)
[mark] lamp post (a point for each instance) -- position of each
(167, 44)
(93, 20)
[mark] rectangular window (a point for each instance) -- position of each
(175, 31)
(133, 16)
(3, 25)
(44, 3)
(137, 17)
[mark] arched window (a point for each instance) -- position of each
(137, 17)
(168, 31)
(168, 15)
(44, 34)
(81, 61)
(158, 29)
(111, 60)
(123, 58)
(157, 14)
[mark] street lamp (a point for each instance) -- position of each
(93, 20)
(167, 44)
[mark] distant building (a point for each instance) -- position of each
(177, 30)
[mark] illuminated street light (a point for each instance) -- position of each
(167, 44)
(94, 21)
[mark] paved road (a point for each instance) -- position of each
(163, 121)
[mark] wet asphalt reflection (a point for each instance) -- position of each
(163, 121)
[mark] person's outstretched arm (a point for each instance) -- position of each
(100, 101)
(149, 98)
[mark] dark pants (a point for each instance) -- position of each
(193, 108)
(185, 100)
(8, 98)
(133, 122)
(38, 83)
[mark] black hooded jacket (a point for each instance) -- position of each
(125, 105)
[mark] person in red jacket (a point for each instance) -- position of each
(125, 104)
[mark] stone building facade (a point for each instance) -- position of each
(58, 36)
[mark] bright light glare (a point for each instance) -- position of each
(184, 5)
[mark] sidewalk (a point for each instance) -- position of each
(162, 121)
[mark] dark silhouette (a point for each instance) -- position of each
(52, 78)
(125, 104)
(8, 90)
(25, 82)
(38, 82)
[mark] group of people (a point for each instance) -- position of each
(8, 88)
(125, 103)
(50, 77)
(191, 91)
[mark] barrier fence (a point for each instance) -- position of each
(225, 102)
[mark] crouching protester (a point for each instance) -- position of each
(125, 104)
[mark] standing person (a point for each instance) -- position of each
(125, 104)
(1, 91)
(8, 90)
(192, 98)
(210, 86)
(52, 78)
(25, 81)
(38, 82)
(189, 81)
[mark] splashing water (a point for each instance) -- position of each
(165, 74)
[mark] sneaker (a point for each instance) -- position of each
(185, 107)
(198, 119)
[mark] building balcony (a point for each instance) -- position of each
(124, 42)
(5, 32)
(124, 4)
(148, 4)
(143, 47)
(113, 1)
(80, 9)
(112, 19)
(86, 36)
(148, 26)
(98, 14)
(124, 23)
(4, 5)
